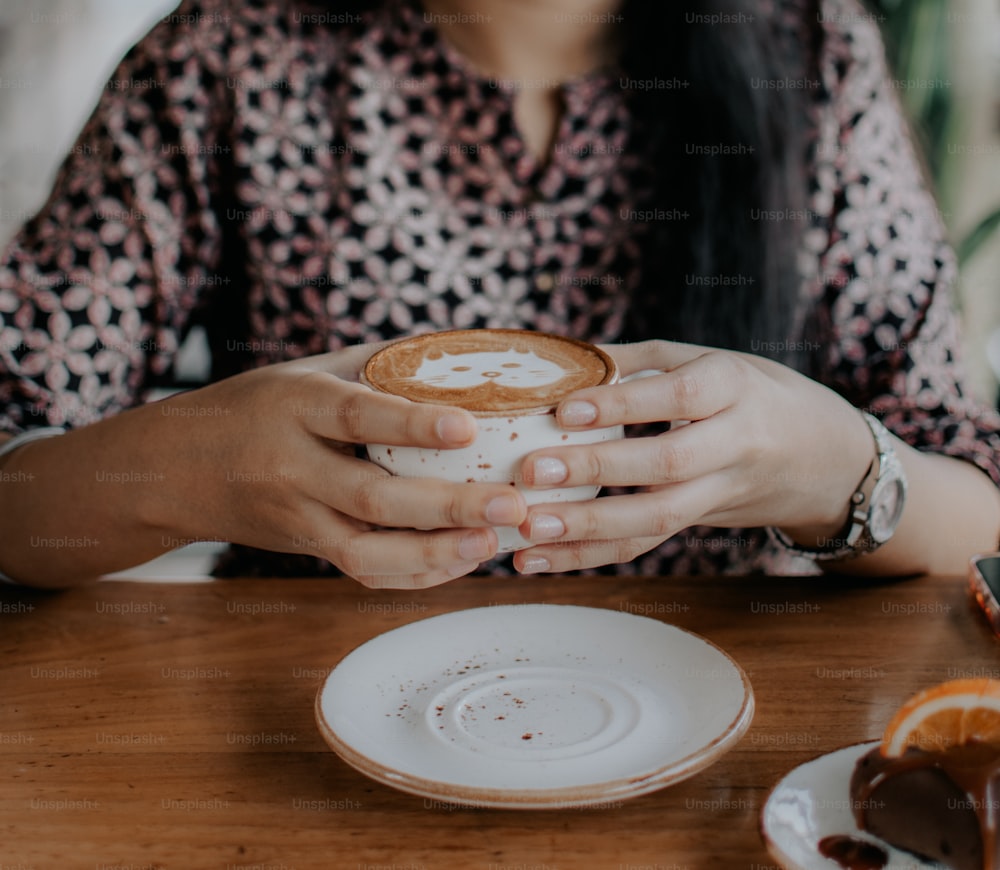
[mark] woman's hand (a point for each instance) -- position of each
(266, 459)
(765, 446)
(269, 461)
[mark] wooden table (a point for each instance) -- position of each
(154, 726)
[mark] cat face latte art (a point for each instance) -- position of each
(511, 380)
(510, 368)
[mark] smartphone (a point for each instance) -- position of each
(984, 581)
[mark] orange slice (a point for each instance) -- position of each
(950, 714)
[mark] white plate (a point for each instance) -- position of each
(813, 802)
(534, 706)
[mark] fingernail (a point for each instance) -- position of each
(535, 565)
(548, 469)
(577, 413)
(504, 510)
(474, 548)
(546, 526)
(454, 429)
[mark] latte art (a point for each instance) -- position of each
(489, 371)
(511, 368)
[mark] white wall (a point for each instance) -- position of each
(55, 56)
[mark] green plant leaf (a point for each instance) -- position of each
(978, 236)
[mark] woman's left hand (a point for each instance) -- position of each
(766, 446)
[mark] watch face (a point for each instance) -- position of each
(887, 508)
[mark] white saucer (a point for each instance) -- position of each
(814, 801)
(533, 706)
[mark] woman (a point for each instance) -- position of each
(308, 180)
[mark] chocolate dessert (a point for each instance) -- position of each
(944, 806)
(852, 853)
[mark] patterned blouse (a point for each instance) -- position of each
(331, 181)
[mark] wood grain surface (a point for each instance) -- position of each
(171, 726)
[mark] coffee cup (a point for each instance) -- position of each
(511, 380)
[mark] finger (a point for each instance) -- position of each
(678, 455)
(657, 354)
(582, 554)
(694, 390)
(333, 408)
(360, 551)
(658, 514)
(367, 492)
(347, 362)
(404, 552)
(417, 581)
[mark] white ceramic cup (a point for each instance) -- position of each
(505, 434)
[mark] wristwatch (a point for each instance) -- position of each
(876, 507)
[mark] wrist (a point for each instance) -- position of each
(856, 459)
(80, 514)
(819, 537)
(167, 443)
(10, 444)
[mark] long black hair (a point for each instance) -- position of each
(721, 94)
(729, 130)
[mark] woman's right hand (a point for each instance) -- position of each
(267, 459)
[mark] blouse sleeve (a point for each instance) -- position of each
(887, 269)
(96, 290)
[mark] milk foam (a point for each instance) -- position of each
(510, 368)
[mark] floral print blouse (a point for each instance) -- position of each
(329, 180)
